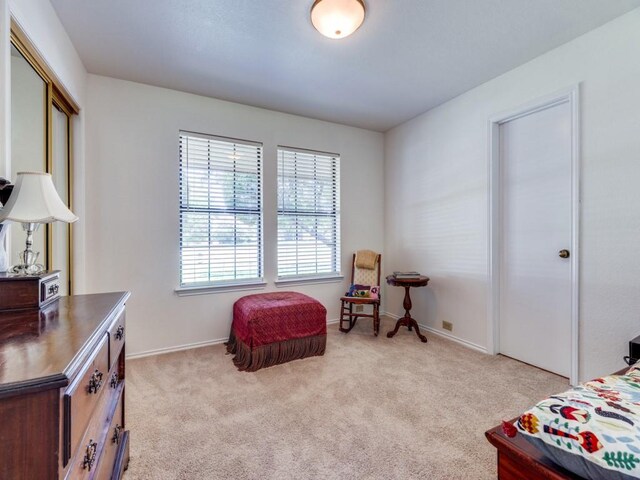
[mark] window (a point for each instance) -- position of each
(220, 210)
(308, 213)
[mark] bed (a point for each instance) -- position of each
(590, 431)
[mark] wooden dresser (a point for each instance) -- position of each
(62, 380)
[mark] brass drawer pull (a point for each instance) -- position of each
(95, 382)
(113, 383)
(117, 434)
(119, 333)
(90, 455)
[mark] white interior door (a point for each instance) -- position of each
(535, 295)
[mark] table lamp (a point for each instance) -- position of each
(34, 200)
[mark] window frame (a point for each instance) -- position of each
(231, 284)
(318, 277)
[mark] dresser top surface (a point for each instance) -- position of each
(40, 347)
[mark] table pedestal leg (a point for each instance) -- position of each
(407, 321)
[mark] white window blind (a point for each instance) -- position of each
(220, 210)
(308, 213)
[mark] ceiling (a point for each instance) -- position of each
(408, 57)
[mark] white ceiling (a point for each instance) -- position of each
(409, 55)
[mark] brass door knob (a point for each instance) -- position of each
(564, 254)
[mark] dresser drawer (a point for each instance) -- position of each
(114, 441)
(122, 458)
(88, 460)
(116, 337)
(83, 466)
(82, 397)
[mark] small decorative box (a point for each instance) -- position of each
(28, 291)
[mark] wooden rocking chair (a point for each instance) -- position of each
(362, 276)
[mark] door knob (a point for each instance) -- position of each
(564, 254)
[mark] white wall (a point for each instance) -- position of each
(41, 23)
(436, 193)
(38, 20)
(132, 202)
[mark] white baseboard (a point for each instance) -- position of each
(189, 346)
(177, 348)
(448, 336)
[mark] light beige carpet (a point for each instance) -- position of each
(370, 408)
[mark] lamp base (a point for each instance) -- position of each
(28, 258)
(23, 269)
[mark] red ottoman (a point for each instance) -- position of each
(273, 328)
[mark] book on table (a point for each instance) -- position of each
(406, 275)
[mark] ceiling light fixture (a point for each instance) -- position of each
(337, 18)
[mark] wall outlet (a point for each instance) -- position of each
(447, 326)
(359, 308)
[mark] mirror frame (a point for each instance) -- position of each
(57, 96)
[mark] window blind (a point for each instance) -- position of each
(220, 210)
(308, 213)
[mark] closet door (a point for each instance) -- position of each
(41, 141)
(60, 233)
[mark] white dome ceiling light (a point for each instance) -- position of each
(337, 18)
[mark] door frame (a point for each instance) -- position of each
(570, 95)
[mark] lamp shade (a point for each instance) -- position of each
(34, 200)
(337, 18)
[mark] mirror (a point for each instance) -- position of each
(41, 132)
(28, 140)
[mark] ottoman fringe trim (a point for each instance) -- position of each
(249, 359)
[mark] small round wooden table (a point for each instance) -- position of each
(407, 321)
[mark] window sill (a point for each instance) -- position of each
(285, 282)
(221, 288)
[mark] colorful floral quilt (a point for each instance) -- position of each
(593, 429)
